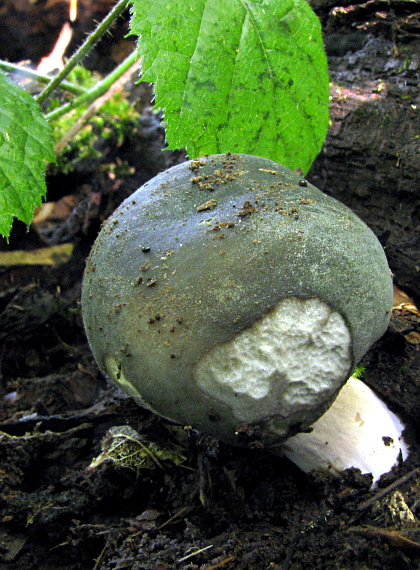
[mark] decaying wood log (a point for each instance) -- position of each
(371, 158)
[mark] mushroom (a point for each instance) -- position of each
(358, 430)
(230, 295)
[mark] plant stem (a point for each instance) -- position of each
(92, 110)
(84, 49)
(98, 89)
(27, 72)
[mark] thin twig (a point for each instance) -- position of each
(40, 77)
(91, 110)
(395, 537)
(222, 563)
(175, 517)
(84, 49)
(101, 555)
(195, 553)
(383, 492)
(97, 90)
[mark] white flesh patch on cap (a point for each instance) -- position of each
(292, 360)
(357, 431)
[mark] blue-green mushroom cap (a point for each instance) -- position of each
(230, 295)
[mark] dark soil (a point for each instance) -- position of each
(246, 508)
(212, 506)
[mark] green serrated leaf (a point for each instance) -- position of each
(25, 146)
(239, 76)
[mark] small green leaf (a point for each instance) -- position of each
(359, 371)
(125, 447)
(241, 76)
(25, 146)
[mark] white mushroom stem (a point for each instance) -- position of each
(357, 431)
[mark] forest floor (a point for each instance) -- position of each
(209, 506)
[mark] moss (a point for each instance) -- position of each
(113, 122)
(359, 371)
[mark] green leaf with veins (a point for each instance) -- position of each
(237, 76)
(127, 448)
(25, 146)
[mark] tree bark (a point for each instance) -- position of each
(371, 158)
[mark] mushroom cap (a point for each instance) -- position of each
(230, 295)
